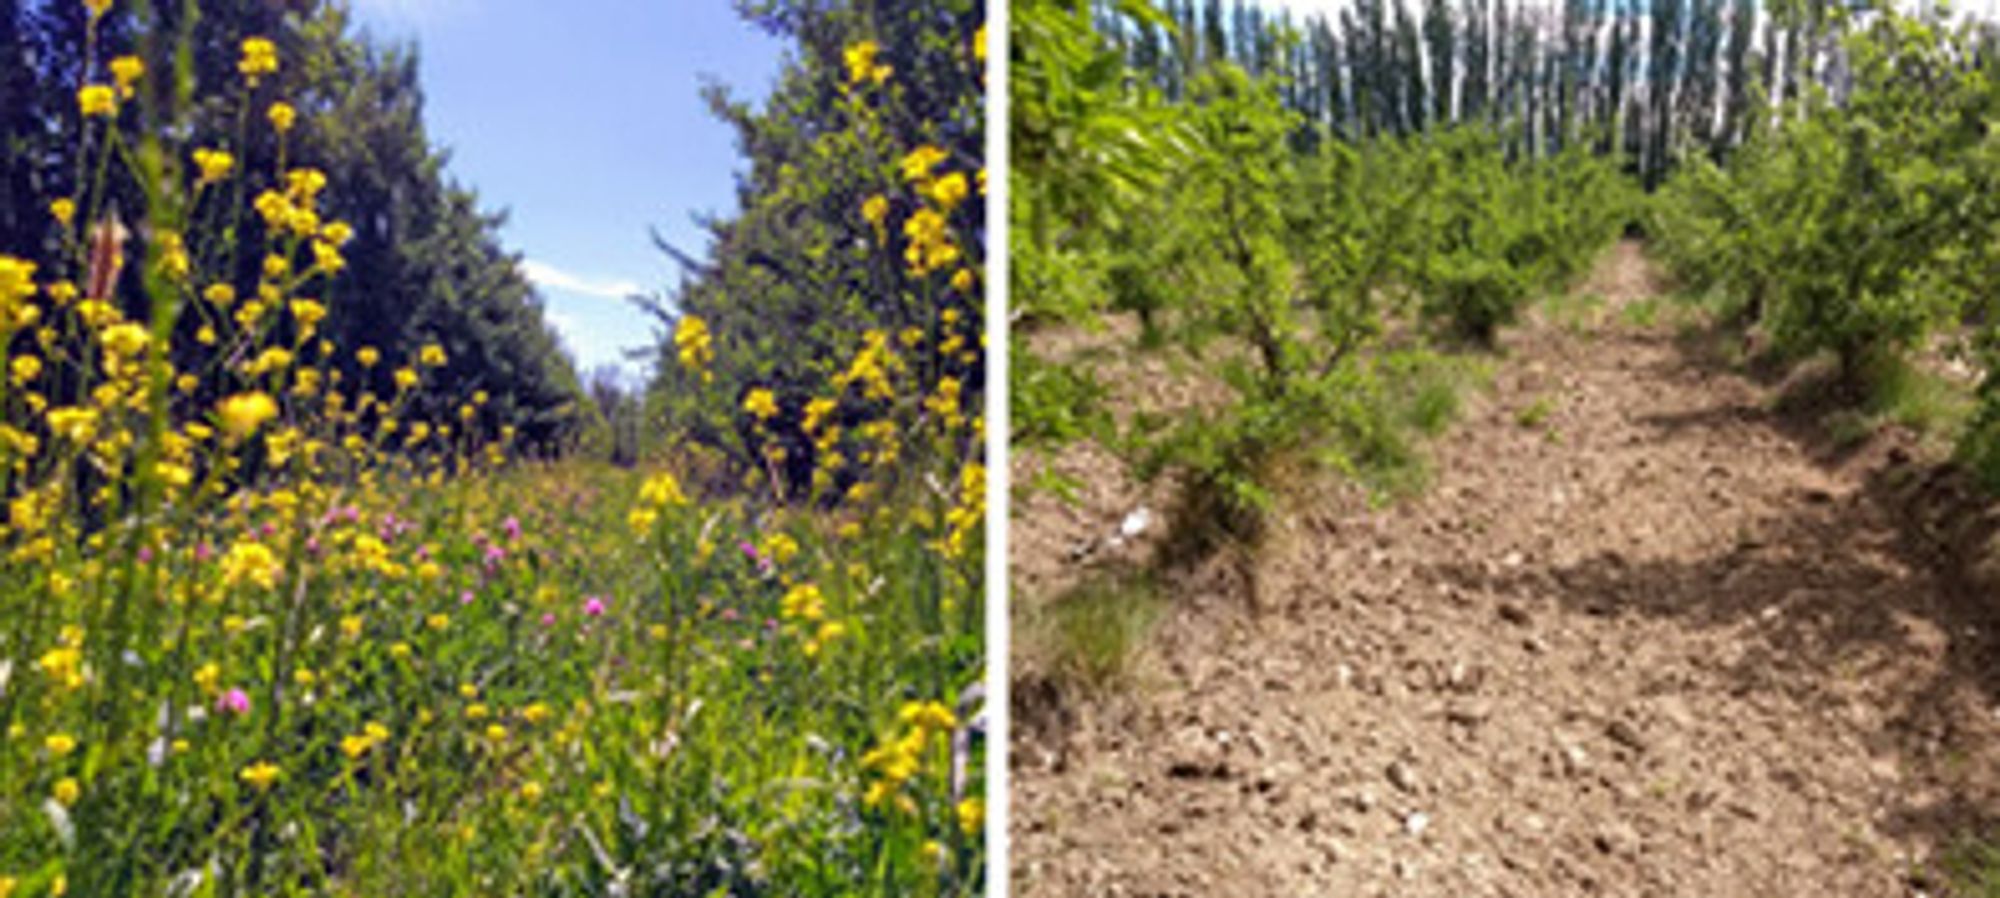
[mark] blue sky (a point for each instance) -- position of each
(583, 120)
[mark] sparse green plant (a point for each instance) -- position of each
(1973, 867)
(1535, 413)
(1090, 635)
(1641, 313)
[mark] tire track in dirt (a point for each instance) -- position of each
(1661, 642)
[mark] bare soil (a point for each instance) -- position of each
(1664, 640)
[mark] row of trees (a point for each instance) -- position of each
(1279, 264)
(424, 265)
(1864, 225)
(859, 244)
(1653, 80)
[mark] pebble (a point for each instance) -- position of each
(1575, 761)
(1402, 777)
(1624, 733)
(1616, 838)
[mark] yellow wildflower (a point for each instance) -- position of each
(252, 562)
(972, 815)
(803, 602)
(17, 281)
(260, 775)
(357, 745)
(875, 210)
(930, 716)
(282, 116)
(327, 257)
(762, 403)
(97, 100)
(861, 64)
(126, 71)
(260, 57)
(693, 342)
(918, 163)
(948, 191)
(78, 425)
(215, 165)
(662, 489)
(243, 413)
(124, 340)
(309, 313)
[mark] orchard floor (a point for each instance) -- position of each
(1665, 640)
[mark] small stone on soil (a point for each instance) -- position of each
(1402, 777)
(1624, 733)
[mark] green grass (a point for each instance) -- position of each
(1535, 413)
(1423, 395)
(1972, 867)
(1893, 392)
(1641, 313)
(1927, 403)
(1089, 636)
(1578, 313)
(699, 692)
(1432, 405)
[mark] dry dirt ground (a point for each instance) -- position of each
(1665, 641)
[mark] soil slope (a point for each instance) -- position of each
(1662, 641)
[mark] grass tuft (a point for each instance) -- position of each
(1089, 637)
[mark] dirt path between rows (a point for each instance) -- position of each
(1663, 641)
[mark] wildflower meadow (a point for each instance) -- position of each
(285, 616)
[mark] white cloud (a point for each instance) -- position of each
(550, 277)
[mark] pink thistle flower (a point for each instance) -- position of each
(593, 606)
(548, 619)
(235, 701)
(513, 527)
